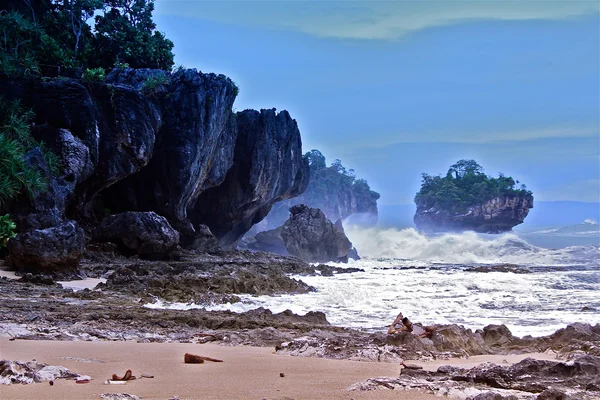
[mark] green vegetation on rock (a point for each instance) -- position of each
(7, 229)
(465, 185)
(44, 37)
(15, 141)
(334, 189)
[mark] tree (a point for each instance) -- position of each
(464, 185)
(42, 36)
(464, 167)
(316, 160)
(126, 33)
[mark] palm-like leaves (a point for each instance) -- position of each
(15, 142)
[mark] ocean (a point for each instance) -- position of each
(445, 279)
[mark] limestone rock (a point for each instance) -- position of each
(309, 235)
(143, 233)
(497, 215)
(267, 167)
(19, 372)
(56, 248)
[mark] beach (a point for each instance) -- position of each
(245, 373)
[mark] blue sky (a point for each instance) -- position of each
(394, 89)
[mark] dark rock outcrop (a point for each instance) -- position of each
(173, 150)
(549, 379)
(267, 167)
(270, 241)
(210, 279)
(497, 215)
(194, 147)
(309, 235)
(48, 250)
(143, 233)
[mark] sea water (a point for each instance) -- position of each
(434, 279)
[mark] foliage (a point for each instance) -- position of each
(152, 84)
(24, 46)
(120, 65)
(43, 36)
(15, 142)
(236, 89)
(125, 32)
(327, 183)
(464, 185)
(7, 229)
(94, 75)
(178, 68)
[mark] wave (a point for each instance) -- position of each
(464, 248)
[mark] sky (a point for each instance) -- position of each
(398, 88)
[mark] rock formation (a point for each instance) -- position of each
(172, 150)
(267, 167)
(309, 235)
(144, 233)
(576, 379)
(497, 215)
(334, 191)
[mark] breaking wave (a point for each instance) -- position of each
(463, 248)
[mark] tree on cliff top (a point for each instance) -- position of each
(334, 189)
(41, 37)
(465, 185)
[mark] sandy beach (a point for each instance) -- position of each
(246, 373)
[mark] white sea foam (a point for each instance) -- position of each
(459, 248)
(430, 279)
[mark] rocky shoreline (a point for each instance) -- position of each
(40, 309)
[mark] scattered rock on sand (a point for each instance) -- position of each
(119, 396)
(547, 380)
(12, 372)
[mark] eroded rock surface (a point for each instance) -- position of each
(267, 167)
(173, 150)
(497, 215)
(309, 235)
(20, 372)
(143, 233)
(48, 250)
(528, 379)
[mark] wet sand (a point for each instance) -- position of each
(246, 373)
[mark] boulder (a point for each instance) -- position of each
(270, 241)
(143, 233)
(309, 235)
(204, 240)
(56, 248)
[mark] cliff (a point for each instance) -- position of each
(154, 144)
(333, 190)
(497, 215)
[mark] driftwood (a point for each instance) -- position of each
(194, 359)
(411, 366)
(127, 377)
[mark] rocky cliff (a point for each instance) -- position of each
(153, 144)
(499, 214)
(333, 190)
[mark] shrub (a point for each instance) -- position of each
(152, 84)
(15, 142)
(7, 229)
(121, 65)
(94, 75)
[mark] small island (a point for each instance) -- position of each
(468, 199)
